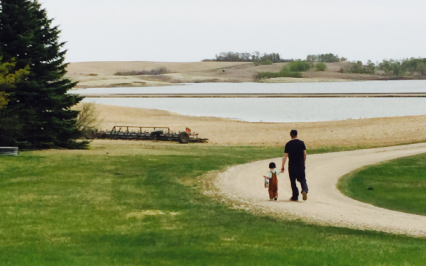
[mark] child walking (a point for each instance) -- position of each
(273, 182)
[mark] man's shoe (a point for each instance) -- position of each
(291, 199)
(305, 195)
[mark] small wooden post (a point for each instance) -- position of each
(9, 151)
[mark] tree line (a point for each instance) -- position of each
(398, 68)
(248, 57)
(273, 57)
(329, 58)
(412, 66)
(35, 106)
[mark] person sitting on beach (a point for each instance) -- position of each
(273, 182)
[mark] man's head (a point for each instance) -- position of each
(293, 134)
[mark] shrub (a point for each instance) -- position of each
(320, 66)
(248, 57)
(421, 68)
(299, 65)
(158, 71)
(88, 119)
(413, 66)
(284, 72)
(3, 99)
(359, 68)
(324, 58)
(263, 62)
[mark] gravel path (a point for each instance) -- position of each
(325, 204)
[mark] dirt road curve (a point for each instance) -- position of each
(325, 204)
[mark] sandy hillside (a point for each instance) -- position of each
(101, 74)
(354, 133)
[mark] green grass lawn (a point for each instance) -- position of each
(94, 208)
(397, 185)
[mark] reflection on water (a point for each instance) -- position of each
(318, 87)
(279, 109)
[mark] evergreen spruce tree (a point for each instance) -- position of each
(40, 102)
(8, 81)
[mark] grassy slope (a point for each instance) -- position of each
(398, 185)
(59, 208)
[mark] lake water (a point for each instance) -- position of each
(278, 109)
(314, 87)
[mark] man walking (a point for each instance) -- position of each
(295, 150)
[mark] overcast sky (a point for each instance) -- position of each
(192, 30)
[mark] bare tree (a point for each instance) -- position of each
(88, 119)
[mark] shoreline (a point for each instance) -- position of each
(357, 133)
(139, 84)
(258, 95)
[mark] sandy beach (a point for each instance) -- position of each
(356, 133)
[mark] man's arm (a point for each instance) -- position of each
(284, 160)
(304, 153)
